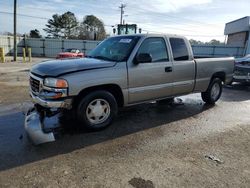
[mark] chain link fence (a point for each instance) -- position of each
(51, 47)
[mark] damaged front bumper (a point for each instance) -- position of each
(245, 78)
(42, 126)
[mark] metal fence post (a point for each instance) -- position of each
(213, 51)
(237, 53)
(84, 47)
(2, 55)
(43, 47)
(24, 55)
(62, 46)
(29, 54)
(9, 45)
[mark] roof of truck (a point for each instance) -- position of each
(153, 35)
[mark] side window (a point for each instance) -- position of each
(156, 47)
(179, 49)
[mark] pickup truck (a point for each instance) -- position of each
(121, 71)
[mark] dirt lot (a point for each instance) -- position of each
(13, 78)
(185, 144)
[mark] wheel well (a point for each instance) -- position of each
(220, 75)
(114, 89)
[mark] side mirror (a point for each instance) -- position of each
(143, 58)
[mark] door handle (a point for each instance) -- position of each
(168, 69)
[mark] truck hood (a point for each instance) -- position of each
(59, 67)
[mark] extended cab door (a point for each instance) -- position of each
(151, 80)
(183, 66)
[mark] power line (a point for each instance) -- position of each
(164, 15)
(44, 18)
(175, 28)
(24, 15)
(37, 17)
(178, 23)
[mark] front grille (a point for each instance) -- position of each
(34, 84)
(240, 73)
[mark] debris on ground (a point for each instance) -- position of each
(213, 158)
(141, 183)
(178, 101)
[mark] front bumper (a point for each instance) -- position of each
(40, 128)
(245, 78)
(65, 103)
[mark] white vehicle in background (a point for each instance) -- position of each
(242, 70)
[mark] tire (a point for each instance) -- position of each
(97, 110)
(213, 92)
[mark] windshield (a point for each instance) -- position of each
(72, 50)
(115, 48)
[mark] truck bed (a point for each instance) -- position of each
(206, 67)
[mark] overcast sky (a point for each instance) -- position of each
(199, 19)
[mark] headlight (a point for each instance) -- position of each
(54, 82)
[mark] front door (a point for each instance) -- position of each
(151, 80)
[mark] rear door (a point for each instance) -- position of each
(183, 66)
(151, 80)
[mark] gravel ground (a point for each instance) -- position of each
(185, 144)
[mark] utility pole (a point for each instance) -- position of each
(122, 12)
(15, 46)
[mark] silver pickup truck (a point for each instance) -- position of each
(121, 71)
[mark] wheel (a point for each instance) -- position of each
(213, 92)
(97, 110)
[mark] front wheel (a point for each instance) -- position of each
(97, 110)
(213, 92)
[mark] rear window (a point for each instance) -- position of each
(179, 49)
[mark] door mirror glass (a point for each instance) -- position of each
(143, 58)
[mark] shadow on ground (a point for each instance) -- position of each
(236, 92)
(16, 149)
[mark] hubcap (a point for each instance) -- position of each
(98, 111)
(215, 91)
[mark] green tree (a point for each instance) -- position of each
(35, 34)
(214, 42)
(62, 26)
(92, 28)
(195, 42)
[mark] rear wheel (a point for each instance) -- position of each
(213, 92)
(97, 110)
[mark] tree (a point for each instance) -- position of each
(35, 34)
(195, 42)
(62, 26)
(211, 42)
(92, 28)
(215, 42)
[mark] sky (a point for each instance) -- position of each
(197, 19)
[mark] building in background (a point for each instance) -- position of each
(238, 32)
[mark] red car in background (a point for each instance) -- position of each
(69, 53)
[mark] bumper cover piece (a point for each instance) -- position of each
(40, 129)
(50, 104)
(245, 78)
